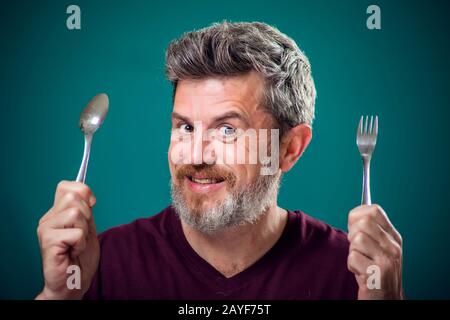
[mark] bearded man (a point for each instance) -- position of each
(243, 106)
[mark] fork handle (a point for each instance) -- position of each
(365, 199)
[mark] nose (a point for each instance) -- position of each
(202, 150)
(197, 145)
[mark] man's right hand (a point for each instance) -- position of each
(67, 236)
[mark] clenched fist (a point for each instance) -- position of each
(375, 246)
(67, 236)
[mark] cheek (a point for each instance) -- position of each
(223, 153)
(233, 153)
(178, 152)
(251, 173)
(237, 157)
(245, 174)
(172, 158)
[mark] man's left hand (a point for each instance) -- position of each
(375, 246)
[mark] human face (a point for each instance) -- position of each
(221, 107)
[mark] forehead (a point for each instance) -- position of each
(211, 96)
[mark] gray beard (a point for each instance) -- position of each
(240, 207)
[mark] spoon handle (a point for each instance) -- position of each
(84, 163)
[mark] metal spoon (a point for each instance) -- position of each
(91, 119)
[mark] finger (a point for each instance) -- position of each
(358, 263)
(72, 199)
(366, 245)
(378, 214)
(70, 218)
(69, 200)
(71, 239)
(376, 232)
(80, 188)
(366, 224)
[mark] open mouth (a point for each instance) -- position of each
(203, 184)
(205, 180)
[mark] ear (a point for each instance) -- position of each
(293, 144)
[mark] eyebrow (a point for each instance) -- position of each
(225, 116)
(178, 116)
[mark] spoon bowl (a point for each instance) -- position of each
(94, 114)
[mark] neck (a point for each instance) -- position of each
(233, 249)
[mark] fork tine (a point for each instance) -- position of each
(366, 126)
(359, 131)
(371, 125)
(375, 130)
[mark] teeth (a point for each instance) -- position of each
(204, 181)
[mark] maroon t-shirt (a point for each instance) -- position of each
(151, 259)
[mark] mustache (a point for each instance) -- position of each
(209, 171)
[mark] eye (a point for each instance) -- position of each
(227, 132)
(186, 128)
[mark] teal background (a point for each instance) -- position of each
(48, 73)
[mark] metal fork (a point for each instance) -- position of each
(366, 139)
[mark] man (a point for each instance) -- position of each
(224, 237)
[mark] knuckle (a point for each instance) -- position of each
(350, 261)
(349, 264)
(61, 184)
(45, 238)
(377, 209)
(352, 216)
(373, 214)
(353, 212)
(359, 238)
(84, 191)
(397, 252)
(80, 234)
(74, 213)
(41, 220)
(366, 222)
(351, 256)
(70, 197)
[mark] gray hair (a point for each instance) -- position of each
(242, 206)
(229, 49)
